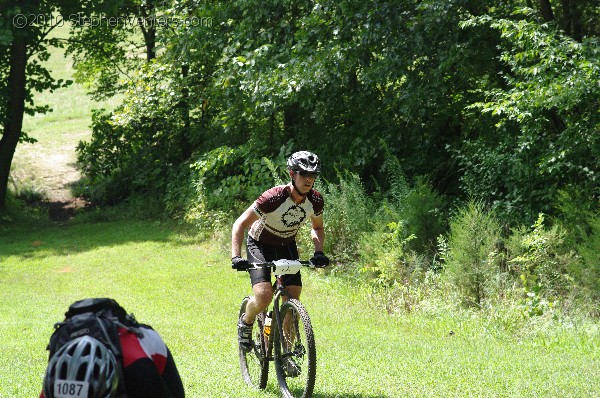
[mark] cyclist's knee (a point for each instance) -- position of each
(263, 294)
(294, 291)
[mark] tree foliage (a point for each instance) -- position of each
(545, 119)
(493, 101)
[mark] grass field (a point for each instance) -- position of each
(185, 288)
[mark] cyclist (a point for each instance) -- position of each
(149, 370)
(272, 222)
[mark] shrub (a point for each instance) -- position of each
(585, 271)
(212, 189)
(576, 213)
(541, 260)
(383, 254)
(348, 215)
(400, 275)
(588, 275)
(121, 160)
(473, 259)
(226, 178)
(424, 214)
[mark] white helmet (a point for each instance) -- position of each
(304, 161)
(83, 359)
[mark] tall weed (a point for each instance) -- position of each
(384, 253)
(401, 276)
(423, 212)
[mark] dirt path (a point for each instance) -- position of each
(47, 171)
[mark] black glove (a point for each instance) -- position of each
(320, 260)
(240, 264)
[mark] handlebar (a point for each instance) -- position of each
(283, 267)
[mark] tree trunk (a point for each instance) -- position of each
(546, 9)
(572, 23)
(147, 23)
(291, 120)
(184, 105)
(13, 123)
(150, 40)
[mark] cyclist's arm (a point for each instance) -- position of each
(172, 378)
(317, 233)
(239, 226)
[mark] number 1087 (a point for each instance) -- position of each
(70, 389)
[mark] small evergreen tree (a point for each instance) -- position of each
(472, 260)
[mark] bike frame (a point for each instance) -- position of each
(280, 290)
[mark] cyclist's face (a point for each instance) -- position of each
(303, 183)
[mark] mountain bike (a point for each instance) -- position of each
(283, 335)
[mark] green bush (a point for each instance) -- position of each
(349, 213)
(575, 211)
(590, 253)
(226, 177)
(587, 271)
(542, 261)
(472, 262)
(383, 254)
(424, 214)
(122, 160)
(422, 211)
(213, 188)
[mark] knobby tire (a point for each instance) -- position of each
(303, 354)
(254, 364)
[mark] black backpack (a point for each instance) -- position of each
(99, 318)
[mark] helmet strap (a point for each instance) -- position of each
(296, 188)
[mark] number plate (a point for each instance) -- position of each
(71, 389)
(286, 267)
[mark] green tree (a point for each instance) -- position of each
(474, 95)
(472, 262)
(163, 116)
(544, 119)
(110, 42)
(24, 28)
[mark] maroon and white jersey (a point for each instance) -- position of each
(150, 346)
(280, 218)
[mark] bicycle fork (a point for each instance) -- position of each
(286, 343)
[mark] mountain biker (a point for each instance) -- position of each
(149, 370)
(272, 222)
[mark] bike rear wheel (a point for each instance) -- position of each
(254, 364)
(295, 356)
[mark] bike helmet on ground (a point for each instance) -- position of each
(86, 360)
(304, 161)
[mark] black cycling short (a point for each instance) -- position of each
(258, 252)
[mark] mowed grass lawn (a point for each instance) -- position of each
(185, 288)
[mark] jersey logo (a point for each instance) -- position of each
(293, 216)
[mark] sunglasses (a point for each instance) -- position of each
(308, 174)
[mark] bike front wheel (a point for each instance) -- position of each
(254, 363)
(294, 351)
